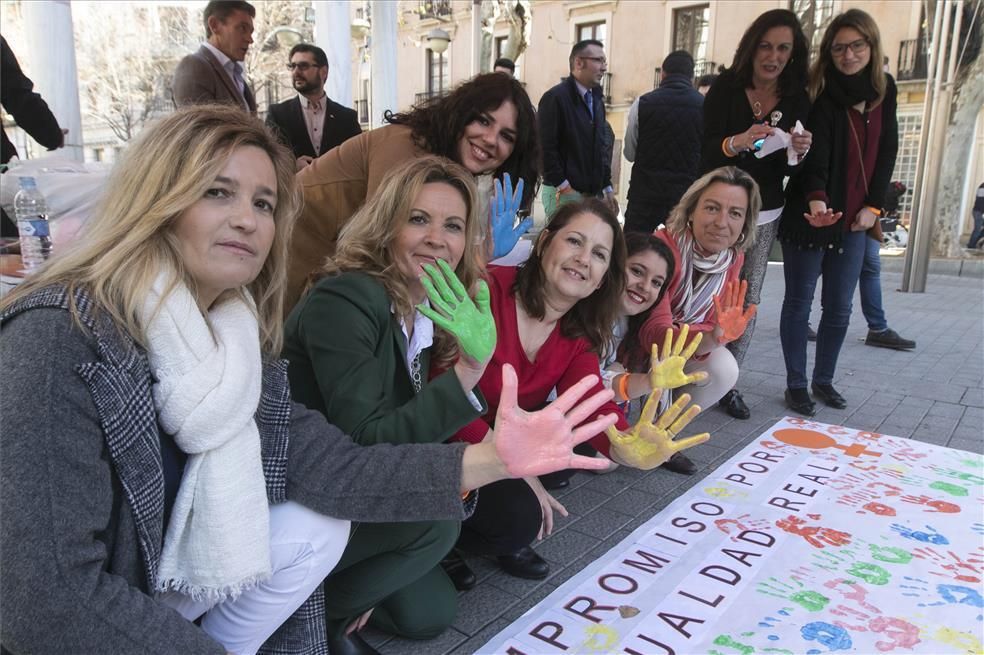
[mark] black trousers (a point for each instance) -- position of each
(646, 216)
(507, 518)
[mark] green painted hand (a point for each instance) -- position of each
(647, 445)
(451, 309)
(667, 372)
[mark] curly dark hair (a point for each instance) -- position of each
(793, 78)
(438, 124)
(591, 317)
(630, 351)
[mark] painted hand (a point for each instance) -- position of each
(471, 323)
(647, 445)
(536, 443)
(730, 317)
(667, 372)
(823, 218)
(503, 209)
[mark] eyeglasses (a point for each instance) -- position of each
(601, 60)
(303, 66)
(857, 47)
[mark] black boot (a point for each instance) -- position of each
(460, 573)
(524, 563)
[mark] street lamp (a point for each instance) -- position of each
(438, 41)
(282, 37)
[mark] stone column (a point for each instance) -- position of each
(331, 34)
(383, 58)
(51, 53)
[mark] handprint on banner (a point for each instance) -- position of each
(931, 537)
(935, 504)
(963, 476)
(949, 488)
(901, 450)
(724, 490)
(956, 567)
(600, 638)
(736, 526)
(815, 535)
(855, 593)
(809, 600)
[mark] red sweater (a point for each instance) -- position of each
(664, 316)
(560, 363)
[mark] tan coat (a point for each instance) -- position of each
(335, 185)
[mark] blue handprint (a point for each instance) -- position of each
(931, 537)
(504, 207)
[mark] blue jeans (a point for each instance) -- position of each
(978, 229)
(801, 268)
(870, 287)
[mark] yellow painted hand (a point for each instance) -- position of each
(666, 372)
(647, 445)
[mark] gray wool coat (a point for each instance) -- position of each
(81, 503)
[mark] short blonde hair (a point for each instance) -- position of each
(679, 218)
(366, 242)
(130, 239)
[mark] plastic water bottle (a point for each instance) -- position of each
(31, 212)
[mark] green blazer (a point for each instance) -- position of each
(347, 357)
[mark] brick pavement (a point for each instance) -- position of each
(932, 394)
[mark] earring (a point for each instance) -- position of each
(741, 238)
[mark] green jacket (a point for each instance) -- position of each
(347, 357)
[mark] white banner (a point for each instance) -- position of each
(813, 539)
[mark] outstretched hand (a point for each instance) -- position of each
(471, 323)
(822, 217)
(536, 443)
(504, 207)
(647, 445)
(730, 317)
(666, 372)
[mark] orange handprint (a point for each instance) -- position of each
(730, 317)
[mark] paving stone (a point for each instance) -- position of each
(565, 547)
(447, 640)
(601, 523)
(480, 606)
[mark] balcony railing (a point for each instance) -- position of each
(913, 60)
(420, 98)
(701, 68)
(362, 107)
(440, 9)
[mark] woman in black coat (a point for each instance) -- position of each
(836, 199)
(764, 90)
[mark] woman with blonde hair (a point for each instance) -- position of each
(836, 200)
(362, 354)
(155, 471)
(708, 233)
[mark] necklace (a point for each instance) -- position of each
(757, 109)
(753, 96)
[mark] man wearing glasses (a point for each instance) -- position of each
(311, 124)
(214, 74)
(573, 132)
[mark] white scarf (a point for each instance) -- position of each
(206, 391)
(701, 278)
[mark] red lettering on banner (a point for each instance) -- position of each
(550, 639)
(655, 562)
(678, 622)
(592, 605)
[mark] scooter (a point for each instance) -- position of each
(894, 234)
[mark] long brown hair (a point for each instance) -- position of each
(129, 240)
(365, 244)
(630, 351)
(793, 76)
(438, 124)
(868, 28)
(591, 317)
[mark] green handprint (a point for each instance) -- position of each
(667, 372)
(470, 322)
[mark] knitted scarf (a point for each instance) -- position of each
(701, 278)
(206, 391)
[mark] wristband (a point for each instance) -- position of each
(724, 147)
(623, 386)
(876, 212)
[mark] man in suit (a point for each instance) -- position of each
(573, 135)
(310, 123)
(214, 74)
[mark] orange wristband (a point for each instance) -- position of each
(724, 148)
(623, 386)
(876, 212)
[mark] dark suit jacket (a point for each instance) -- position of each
(573, 144)
(287, 119)
(199, 79)
(28, 109)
